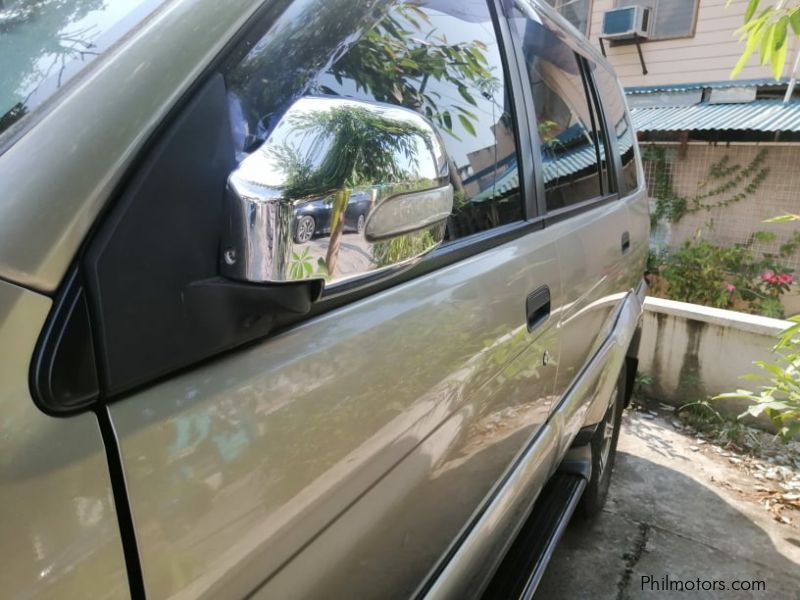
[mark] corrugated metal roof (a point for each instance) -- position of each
(760, 115)
(560, 165)
(684, 87)
(555, 167)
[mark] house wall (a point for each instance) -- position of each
(709, 55)
(736, 222)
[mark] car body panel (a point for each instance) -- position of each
(59, 535)
(593, 269)
(398, 439)
(467, 572)
(54, 200)
(232, 468)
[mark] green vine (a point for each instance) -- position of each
(673, 207)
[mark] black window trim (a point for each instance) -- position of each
(524, 96)
(613, 160)
(550, 217)
(598, 126)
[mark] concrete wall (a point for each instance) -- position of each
(709, 55)
(693, 352)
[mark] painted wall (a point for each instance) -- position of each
(707, 56)
(693, 352)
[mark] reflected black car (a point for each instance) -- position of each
(313, 219)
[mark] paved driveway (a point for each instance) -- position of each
(681, 511)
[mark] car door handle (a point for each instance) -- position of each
(537, 307)
(626, 242)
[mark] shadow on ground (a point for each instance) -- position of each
(669, 514)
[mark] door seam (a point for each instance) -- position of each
(119, 488)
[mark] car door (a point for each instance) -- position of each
(581, 193)
(337, 453)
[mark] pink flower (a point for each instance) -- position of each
(769, 277)
(785, 278)
(730, 287)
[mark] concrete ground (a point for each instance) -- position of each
(683, 509)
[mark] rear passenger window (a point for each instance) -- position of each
(614, 105)
(571, 139)
(440, 59)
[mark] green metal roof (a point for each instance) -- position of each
(759, 115)
(685, 87)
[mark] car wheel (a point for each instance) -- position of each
(604, 451)
(360, 224)
(304, 230)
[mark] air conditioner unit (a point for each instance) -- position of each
(626, 23)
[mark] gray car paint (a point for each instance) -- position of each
(273, 461)
(59, 536)
(319, 422)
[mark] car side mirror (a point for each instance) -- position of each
(340, 189)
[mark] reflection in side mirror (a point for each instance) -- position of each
(340, 189)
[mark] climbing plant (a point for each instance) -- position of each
(727, 183)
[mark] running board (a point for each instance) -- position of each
(523, 566)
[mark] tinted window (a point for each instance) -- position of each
(670, 18)
(440, 59)
(43, 43)
(571, 146)
(614, 105)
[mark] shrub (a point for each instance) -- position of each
(719, 276)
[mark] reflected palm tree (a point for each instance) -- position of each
(360, 147)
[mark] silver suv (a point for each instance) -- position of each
(308, 298)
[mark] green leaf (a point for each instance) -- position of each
(448, 121)
(781, 31)
(466, 95)
(754, 35)
(767, 42)
(778, 61)
(469, 114)
(467, 124)
(751, 10)
(780, 49)
(794, 21)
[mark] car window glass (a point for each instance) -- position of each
(614, 106)
(438, 58)
(44, 43)
(571, 143)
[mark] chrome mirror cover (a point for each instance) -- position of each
(371, 180)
